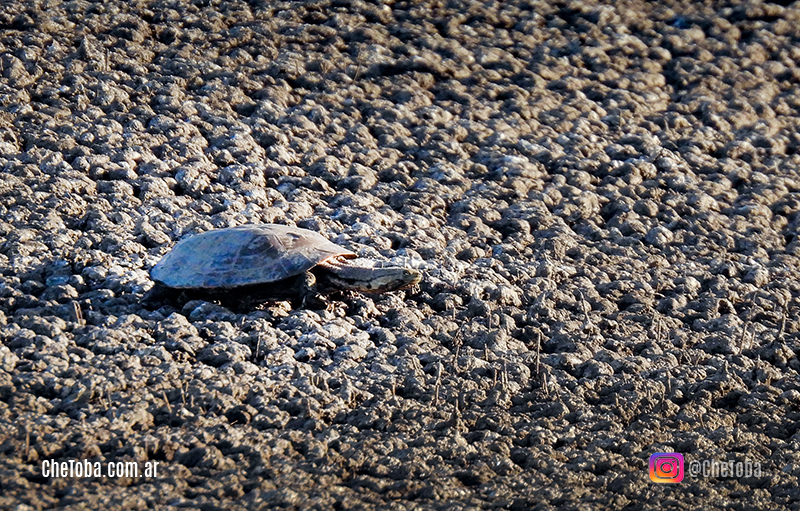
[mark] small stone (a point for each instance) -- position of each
(659, 236)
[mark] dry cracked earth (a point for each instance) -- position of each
(603, 199)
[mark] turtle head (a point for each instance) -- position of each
(370, 277)
(391, 279)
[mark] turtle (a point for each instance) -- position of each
(270, 261)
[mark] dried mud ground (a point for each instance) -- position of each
(604, 201)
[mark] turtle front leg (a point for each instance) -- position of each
(310, 298)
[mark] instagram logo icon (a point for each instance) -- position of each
(666, 467)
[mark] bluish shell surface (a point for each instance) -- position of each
(243, 256)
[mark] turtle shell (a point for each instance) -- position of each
(243, 256)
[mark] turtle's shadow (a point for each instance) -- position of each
(243, 299)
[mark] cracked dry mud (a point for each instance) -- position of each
(603, 198)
